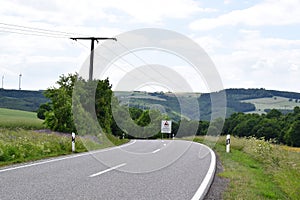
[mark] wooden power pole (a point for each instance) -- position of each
(93, 39)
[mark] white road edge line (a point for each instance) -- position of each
(155, 151)
(64, 158)
(203, 188)
(107, 170)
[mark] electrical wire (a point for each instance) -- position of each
(32, 34)
(29, 31)
(33, 31)
(129, 50)
(119, 67)
(40, 29)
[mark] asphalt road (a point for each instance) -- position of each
(141, 169)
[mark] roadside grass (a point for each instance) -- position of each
(258, 169)
(20, 145)
(13, 119)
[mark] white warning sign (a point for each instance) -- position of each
(166, 126)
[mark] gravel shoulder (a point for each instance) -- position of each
(219, 184)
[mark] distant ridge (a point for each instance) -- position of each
(22, 99)
(238, 100)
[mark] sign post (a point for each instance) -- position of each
(228, 143)
(166, 127)
(73, 142)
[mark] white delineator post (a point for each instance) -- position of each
(228, 143)
(73, 142)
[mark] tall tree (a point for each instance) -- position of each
(90, 102)
(60, 117)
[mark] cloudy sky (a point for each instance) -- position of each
(254, 44)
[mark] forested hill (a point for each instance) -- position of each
(238, 100)
(21, 99)
(244, 94)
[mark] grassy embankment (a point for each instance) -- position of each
(258, 169)
(19, 142)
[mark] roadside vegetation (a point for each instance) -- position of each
(20, 145)
(276, 126)
(258, 169)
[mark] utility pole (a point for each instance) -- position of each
(20, 76)
(2, 81)
(93, 39)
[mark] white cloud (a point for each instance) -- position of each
(227, 1)
(257, 61)
(269, 12)
(156, 11)
(209, 43)
(244, 57)
(251, 40)
(62, 12)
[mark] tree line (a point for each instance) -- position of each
(276, 126)
(92, 102)
(85, 107)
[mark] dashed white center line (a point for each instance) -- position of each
(107, 170)
(157, 150)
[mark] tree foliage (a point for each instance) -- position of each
(283, 128)
(60, 117)
(90, 101)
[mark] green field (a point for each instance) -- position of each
(19, 119)
(279, 103)
(258, 169)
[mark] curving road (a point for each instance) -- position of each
(141, 169)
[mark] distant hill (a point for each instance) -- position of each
(238, 100)
(21, 99)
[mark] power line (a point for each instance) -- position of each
(119, 67)
(31, 34)
(31, 31)
(26, 30)
(41, 29)
(93, 39)
(156, 71)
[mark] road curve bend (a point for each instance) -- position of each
(141, 169)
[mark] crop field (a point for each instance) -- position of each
(19, 119)
(279, 103)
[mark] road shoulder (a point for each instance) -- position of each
(219, 184)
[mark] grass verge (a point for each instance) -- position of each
(20, 145)
(258, 169)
